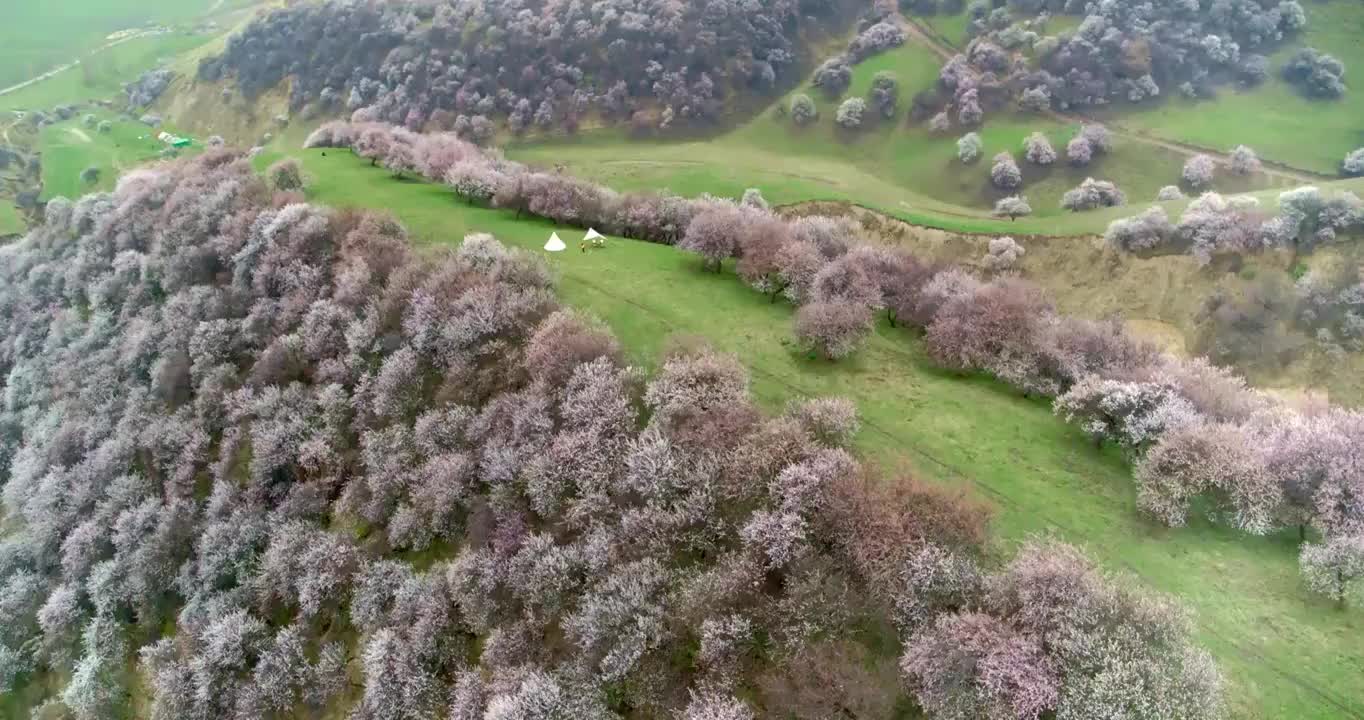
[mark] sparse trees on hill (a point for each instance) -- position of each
(1169, 192)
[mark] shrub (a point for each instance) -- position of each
(969, 111)
(1012, 207)
(803, 110)
(1150, 229)
(1169, 192)
(285, 175)
(1038, 149)
(1093, 194)
(1003, 254)
(850, 113)
(1244, 161)
(1315, 74)
(1079, 152)
(969, 147)
(833, 76)
(885, 93)
(1334, 567)
(1199, 171)
(940, 123)
(1353, 165)
(1004, 174)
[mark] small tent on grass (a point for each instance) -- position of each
(594, 237)
(555, 244)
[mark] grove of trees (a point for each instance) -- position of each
(277, 463)
(449, 63)
(1124, 51)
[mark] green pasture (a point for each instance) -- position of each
(10, 222)
(38, 36)
(103, 75)
(70, 147)
(1284, 653)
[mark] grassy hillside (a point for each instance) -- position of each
(103, 75)
(37, 36)
(10, 222)
(1285, 654)
(1274, 119)
(70, 147)
(893, 166)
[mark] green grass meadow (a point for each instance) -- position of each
(69, 148)
(1285, 654)
(36, 36)
(10, 222)
(103, 75)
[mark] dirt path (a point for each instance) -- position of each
(946, 51)
(689, 163)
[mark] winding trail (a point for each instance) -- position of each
(946, 50)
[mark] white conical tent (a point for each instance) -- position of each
(555, 244)
(592, 234)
